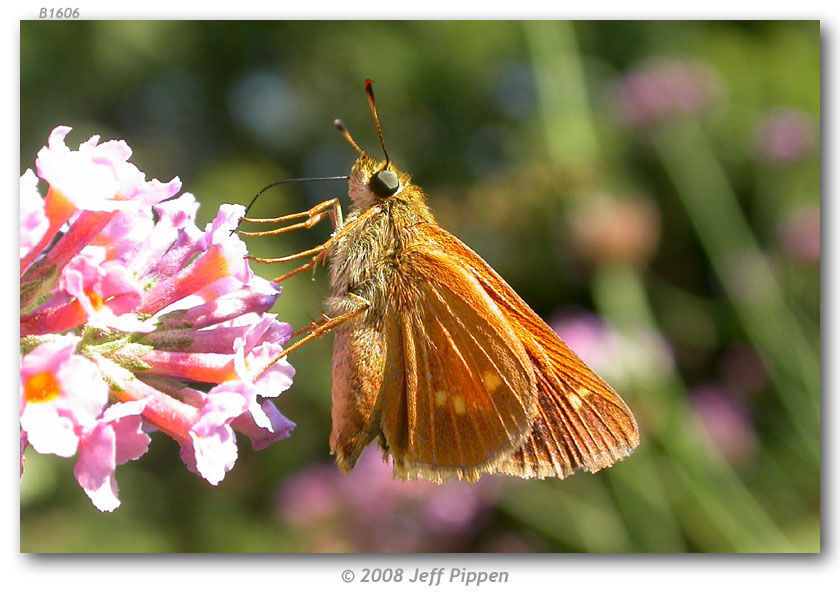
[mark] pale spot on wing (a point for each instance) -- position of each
(491, 381)
(440, 398)
(460, 405)
(575, 401)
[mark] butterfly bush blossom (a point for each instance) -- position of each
(134, 320)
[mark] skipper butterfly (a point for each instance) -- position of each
(436, 357)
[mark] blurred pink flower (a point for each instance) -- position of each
(618, 356)
(124, 303)
(785, 136)
(615, 229)
(310, 496)
(727, 421)
(665, 88)
(370, 511)
(799, 233)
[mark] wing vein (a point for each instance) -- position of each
(479, 383)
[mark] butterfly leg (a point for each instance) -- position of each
(329, 208)
(317, 250)
(318, 328)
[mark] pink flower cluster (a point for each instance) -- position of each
(661, 89)
(727, 421)
(786, 136)
(134, 320)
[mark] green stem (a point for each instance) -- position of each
(620, 296)
(588, 522)
(561, 90)
(791, 358)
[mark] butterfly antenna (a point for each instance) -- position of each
(341, 127)
(298, 180)
(372, 103)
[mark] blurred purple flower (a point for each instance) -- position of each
(785, 136)
(664, 88)
(370, 511)
(799, 233)
(310, 496)
(727, 421)
(619, 357)
(586, 334)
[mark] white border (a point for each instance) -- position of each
(554, 576)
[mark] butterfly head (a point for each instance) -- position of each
(373, 181)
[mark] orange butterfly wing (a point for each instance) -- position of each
(459, 392)
(580, 423)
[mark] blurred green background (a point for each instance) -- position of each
(652, 189)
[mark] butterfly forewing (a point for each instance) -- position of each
(467, 388)
(580, 421)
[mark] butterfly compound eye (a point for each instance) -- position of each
(384, 184)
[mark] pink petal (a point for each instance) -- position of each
(33, 219)
(132, 441)
(23, 444)
(88, 184)
(212, 456)
(264, 425)
(277, 378)
(127, 234)
(54, 423)
(94, 470)
(221, 309)
(49, 432)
